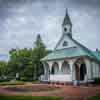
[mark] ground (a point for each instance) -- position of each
(67, 92)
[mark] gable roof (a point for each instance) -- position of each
(59, 41)
(80, 50)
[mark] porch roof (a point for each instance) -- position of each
(97, 54)
(69, 53)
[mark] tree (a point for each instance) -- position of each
(38, 53)
(19, 60)
(3, 68)
(26, 63)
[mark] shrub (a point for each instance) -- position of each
(97, 81)
(26, 79)
(4, 80)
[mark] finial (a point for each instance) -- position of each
(66, 11)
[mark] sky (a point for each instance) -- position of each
(22, 20)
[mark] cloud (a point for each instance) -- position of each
(22, 20)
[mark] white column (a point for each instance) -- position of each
(44, 68)
(97, 70)
(50, 69)
(71, 62)
(94, 69)
(60, 65)
(88, 67)
(50, 66)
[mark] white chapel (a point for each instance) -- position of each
(70, 60)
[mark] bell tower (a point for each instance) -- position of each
(67, 25)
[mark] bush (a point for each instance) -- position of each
(4, 80)
(97, 81)
(26, 79)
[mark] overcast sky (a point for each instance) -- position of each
(22, 20)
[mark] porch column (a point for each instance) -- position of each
(71, 62)
(44, 66)
(97, 70)
(88, 67)
(50, 68)
(45, 72)
(60, 65)
(94, 69)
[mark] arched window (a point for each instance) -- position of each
(65, 68)
(65, 43)
(55, 68)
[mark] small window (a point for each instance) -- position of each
(65, 29)
(65, 43)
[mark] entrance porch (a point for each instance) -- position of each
(66, 70)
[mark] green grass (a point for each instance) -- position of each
(12, 83)
(17, 83)
(29, 98)
(36, 82)
(97, 97)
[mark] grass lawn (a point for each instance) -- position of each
(17, 83)
(12, 83)
(28, 98)
(97, 97)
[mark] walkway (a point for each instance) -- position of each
(67, 92)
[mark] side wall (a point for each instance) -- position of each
(93, 69)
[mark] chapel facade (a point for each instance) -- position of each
(70, 60)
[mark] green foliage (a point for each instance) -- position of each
(38, 53)
(26, 63)
(20, 59)
(97, 81)
(29, 98)
(3, 68)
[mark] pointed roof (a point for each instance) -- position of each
(66, 19)
(71, 52)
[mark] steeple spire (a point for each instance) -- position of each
(67, 25)
(66, 19)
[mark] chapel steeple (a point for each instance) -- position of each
(67, 25)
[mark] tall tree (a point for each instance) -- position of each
(38, 53)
